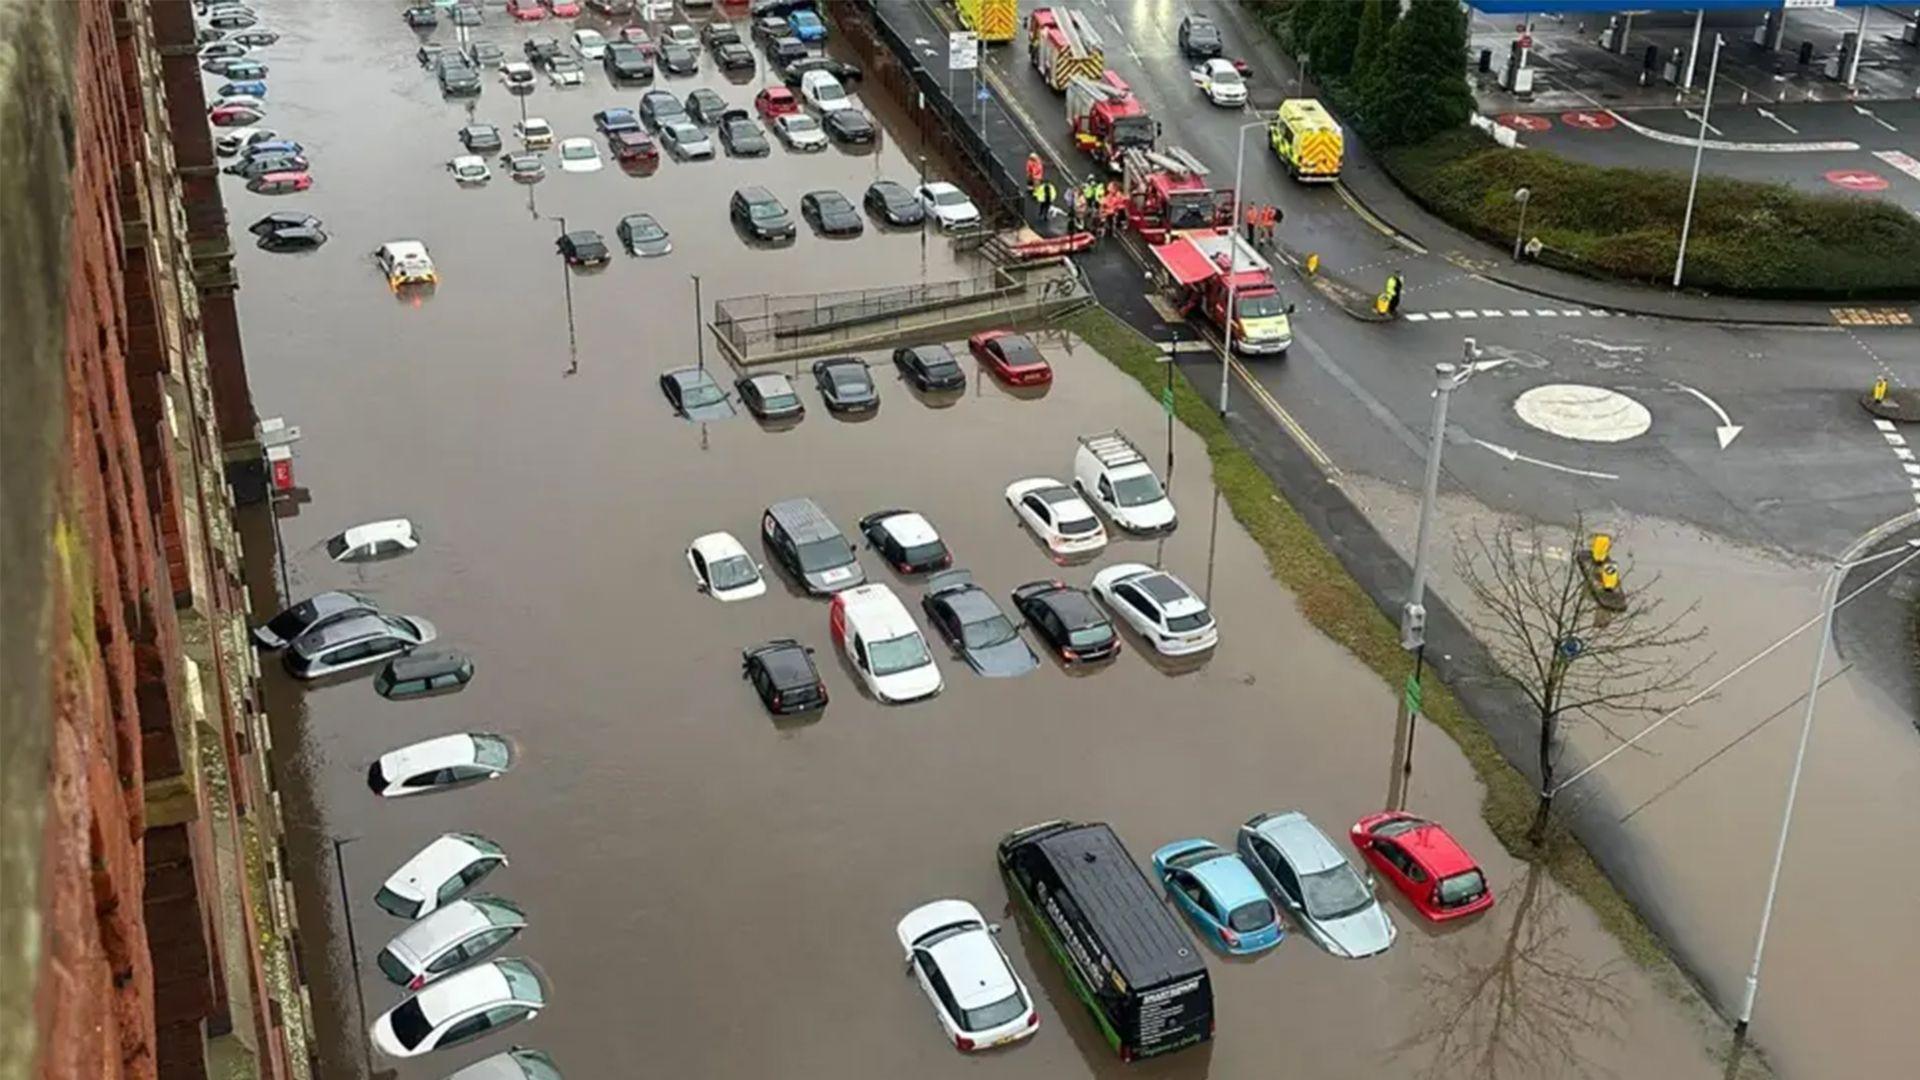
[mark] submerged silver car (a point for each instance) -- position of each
(356, 642)
(316, 611)
(1326, 897)
(463, 931)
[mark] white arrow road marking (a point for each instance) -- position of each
(1868, 113)
(1695, 117)
(1790, 128)
(1515, 455)
(1728, 430)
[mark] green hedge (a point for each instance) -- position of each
(1747, 239)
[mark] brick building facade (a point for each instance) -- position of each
(142, 887)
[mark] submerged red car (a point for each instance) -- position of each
(634, 146)
(775, 101)
(1011, 357)
(563, 9)
(526, 10)
(1425, 863)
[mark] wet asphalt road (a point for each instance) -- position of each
(709, 889)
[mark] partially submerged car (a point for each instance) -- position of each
(723, 570)
(974, 626)
(461, 1008)
(951, 952)
(373, 540)
(440, 763)
(449, 939)
(354, 643)
(316, 611)
(643, 236)
(469, 169)
(424, 673)
(694, 395)
(880, 639)
(405, 262)
(781, 672)
(438, 874)
(770, 396)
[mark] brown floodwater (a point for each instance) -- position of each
(711, 893)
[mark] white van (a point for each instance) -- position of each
(871, 624)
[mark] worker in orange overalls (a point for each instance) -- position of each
(1113, 208)
(1253, 222)
(1036, 171)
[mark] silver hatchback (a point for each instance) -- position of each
(1302, 870)
(448, 939)
(355, 643)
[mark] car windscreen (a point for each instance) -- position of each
(1189, 209)
(1138, 490)
(824, 554)
(849, 379)
(1181, 624)
(645, 229)
(1462, 888)
(394, 904)
(1263, 306)
(993, 630)
(1247, 918)
(578, 151)
(492, 751)
(1333, 893)
(1225, 76)
(1090, 637)
(949, 198)
(827, 91)
(1005, 1011)
(796, 122)
(410, 1024)
(701, 394)
(1133, 131)
(1398, 826)
(337, 546)
(894, 655)
(733, 572)
(521, 981)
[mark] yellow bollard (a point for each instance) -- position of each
(1601, 547)
(1313, 263)
(1380, 303)
(1879, 389)
(1609, 577)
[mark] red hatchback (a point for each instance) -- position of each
(1011, 357)
(634, 146)
(775, 101)
(526, 10)
(1425, 863)
(563, 9)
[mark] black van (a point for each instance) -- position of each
(1123, 953)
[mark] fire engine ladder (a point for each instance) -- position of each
(1085, 55)
(1112, 449)
(1177, 160)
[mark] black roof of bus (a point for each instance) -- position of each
(1149, 948)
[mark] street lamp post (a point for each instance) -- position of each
(1522, 196)
(353, 949)
(1233, 261)
(566, 281)
(1828, 593)
(1166, 401)
(699, 337)
(1413, 614)
(1699, 149)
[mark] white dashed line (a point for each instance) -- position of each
(1442, 315)
(1546, 313)
(1912, 468)
(1903, 453)
(1519, 313)
(1883, 425)
(1894, 438)
(1415, 316)
(1466, 313)
(1571, 312)
(1492, 313)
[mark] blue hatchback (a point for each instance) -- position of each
(806, 26)
(1219, 894)
(255, 88)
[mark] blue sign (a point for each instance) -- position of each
(983, 94)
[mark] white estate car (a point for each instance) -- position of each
(948, 205)
(469, 169)
(723, 570)
(1057, 515)
(534, 133)
(1218, 79)
(1112, 474)
(375, 539)
(951, 951)
(824, 92)
(406, 262)
(1159, 607)
(463, 931)
(589, 44)
(579, 155)
(461, 1008)
(873, 628)
(438, 873)
(440, 763)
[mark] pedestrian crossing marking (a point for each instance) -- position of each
(1441, 315)
(1519, 313)
(1466, 313)
(1855, 316)
(1883, 425)
(1496, 313)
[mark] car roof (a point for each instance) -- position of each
(422, 665)
(450, 924)
(909, 528)
(875, 612)
(443, 752)
(843, 363)
(476, 987)
(516, 1064)
(1228, 879)
(691, 376)
(1074, 607)
(772, 383)
(775, 93)
(789, 665)
(939, 187)
(715, 546)
(1304, 845)
(755, 193)
(971, 603)
(803, 519)
(974, 970)
(1167, 592)
(469, 159)
(349, 629)
(1436, 849)
(438, 861)
(393, 528)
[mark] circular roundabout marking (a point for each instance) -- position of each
(1583, 413)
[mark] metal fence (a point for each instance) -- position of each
(748, 323)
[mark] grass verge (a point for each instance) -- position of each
(1335, 603)
(1748, 238)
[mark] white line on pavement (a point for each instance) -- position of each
(1548, 313)
(1415, 316)
(1883, 425)
(1894, 438)
(1491, 313)
(1466, 313)
(1442, 315)
(1571, 312)
(1519, 313)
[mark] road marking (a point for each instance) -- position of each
(1903, 453)
(1374, 220)
(1515, 455)
(1901, 160)
(1883, 425)
(1728, 430)
(1520, 313)
(1279, 412)
(1571, 312)
(1491, 313)
(1790, 128)
(1546, 313)
(1583, 413)
(1441, 315)
(1695, 117)
(1466, 313)
(1835, 146)
(1868, 113)
(1415, 316)
(1894, 438)
(1912, 467)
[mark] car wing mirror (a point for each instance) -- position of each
(993, 928)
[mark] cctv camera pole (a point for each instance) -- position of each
(566, 280)
(353, 949)
(699, 336)
(1166, 400)
(1413, 614)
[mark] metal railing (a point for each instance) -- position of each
(750, 321)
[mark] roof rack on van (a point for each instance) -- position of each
(1112, 449)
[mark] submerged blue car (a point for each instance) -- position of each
(806, 26)
(1219, 895)
(253, 88)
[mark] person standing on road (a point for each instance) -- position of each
(1036, 170)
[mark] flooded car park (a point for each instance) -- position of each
(705, 885)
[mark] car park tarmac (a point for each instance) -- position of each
(712, 891)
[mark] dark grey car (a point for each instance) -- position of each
(312, 613)
(846, 384)
(810, 547)
(694, 395)
(980, 633)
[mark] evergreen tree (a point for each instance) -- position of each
(1302, 19)
(1336, 31)
(1420, 87)
(1377, 18)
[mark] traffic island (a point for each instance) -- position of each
(1358, 302)
(1900, 404)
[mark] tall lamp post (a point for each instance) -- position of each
(699, 334)
(566, 281)
(1848, 561)
(1699, 148)
(1233, 259)
(1448, 377)
(353, 949)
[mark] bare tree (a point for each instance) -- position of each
(1532, 1008)
(1550, 637)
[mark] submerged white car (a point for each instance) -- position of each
(873, 628)
(1057, 515)
(723, 570)
(448, 761)
(375, 539)
(469, 169)
(461, 1008)
(405, 262)
(978, 999)
(579, 155)
(438, 874)
(949, 205)
(1159, 607)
